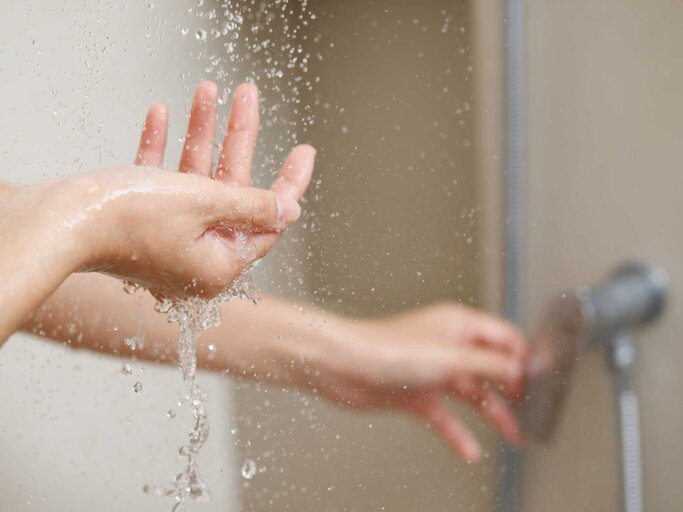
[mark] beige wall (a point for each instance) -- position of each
(605, 131)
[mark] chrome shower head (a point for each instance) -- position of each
(582, 318)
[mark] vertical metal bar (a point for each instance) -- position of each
(515, 162)
(510, 470)
(622, 355)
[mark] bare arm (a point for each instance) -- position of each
(407, 361)
(93, 312)
(108, 220)
(37, 252)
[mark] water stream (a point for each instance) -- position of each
(194, 316)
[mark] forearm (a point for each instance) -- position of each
(92, 311)
(36, 256)
(270, 341)
(26, 280)
(278, 341)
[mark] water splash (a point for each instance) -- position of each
(131, 343)
(271, 44)
(194, 316)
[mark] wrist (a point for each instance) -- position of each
(39, 253)
(83, 221)
(36, 221)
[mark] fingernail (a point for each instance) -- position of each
(288, 210)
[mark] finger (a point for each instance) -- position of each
(449, 428)
(154, 135)
(498, 334)
(482, 363)
(234, 165)
(201, 132)
(296, 172)
(251, 210)
(490, 407)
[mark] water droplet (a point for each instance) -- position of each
(126, 369)
(171, 413)
(131, 342)
(137, 387)
(201, 35)
(130, 287)
(249, 469)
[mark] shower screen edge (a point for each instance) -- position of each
(511, 460)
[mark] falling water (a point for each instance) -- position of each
(240, 41)
(194, 316)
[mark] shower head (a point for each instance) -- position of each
(634, 296)
(580, 319)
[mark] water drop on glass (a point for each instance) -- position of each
(248, 469)
(126, 369)
(137, 387)
(212, 350)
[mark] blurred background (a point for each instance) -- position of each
(405, 101)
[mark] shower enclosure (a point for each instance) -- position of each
(603, 125)
(409, 105)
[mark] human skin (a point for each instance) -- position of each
(413, 361)
(177, 234)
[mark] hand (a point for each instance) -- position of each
(173, 233)
(411, 360)
(176, 234)
(234, 165)
(241, 244)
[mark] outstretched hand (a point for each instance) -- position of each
(236, 156)
(414, 360)
(192, 234)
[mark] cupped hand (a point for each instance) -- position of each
(237, 151)
(175, 234)
(235, 233)
(414, 360)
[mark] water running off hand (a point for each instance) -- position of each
(194, 316)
